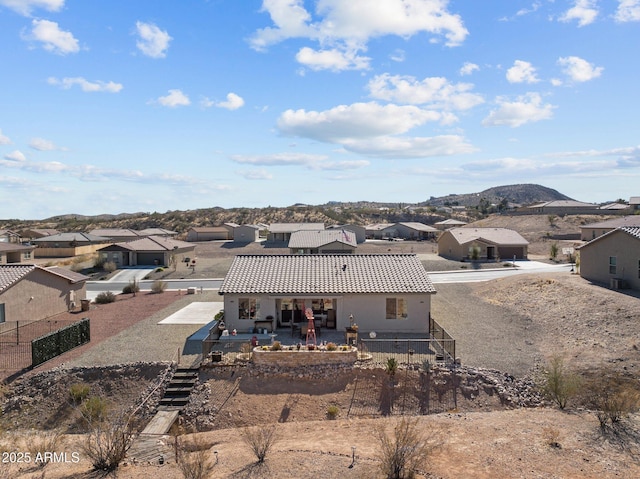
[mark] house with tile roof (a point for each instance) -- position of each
(593, 230)
(9, 236)
(283, 231)
(222, 232)
(29, 292)
(151, 251)
(16, 253)
(409, 230)
(64, 245)
(462, 244)
(613, 258)
(359, 231)
(383, 293)
(449, 223)
(323, 242)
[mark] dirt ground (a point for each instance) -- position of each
(511, 325)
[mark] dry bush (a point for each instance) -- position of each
(558, 384)
(260, 439)
(78, 392)
(107, 444)
(109, 266)
(105, 297)
(43, 441)
(612, 398)
(194, 458)
(158, 286)
(551, 436)
(406, 448)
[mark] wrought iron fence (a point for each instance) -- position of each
(408, 351)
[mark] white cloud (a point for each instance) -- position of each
(398, 55)
(233, 102)
(53, 39)
(468, 68)
(344, 28)
(526, 109)
(525, 11)
(255, 174)
(4, 140)
(15, 155)
(417, 147)
(153, 42)
(174, 99)
(86, 85)
(579, 69)
(332, 59)
(358, 120)
(41, 144)
(583, 11)
(312, 162)
(25, 7)
(522, 72)
(628, 11)
(436, 92)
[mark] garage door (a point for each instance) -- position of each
(151, 258)
(508, 252)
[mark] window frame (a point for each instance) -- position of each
(613, 265)
(400, 309)
(246, 305)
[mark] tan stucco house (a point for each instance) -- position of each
(489, 244)
(16, 253)
(613, 258)
(384, 293)
(283, 231)
(151, 251)
(211, 233)
(63, 245)
(322, 242)
(593, 230)
(30, 292)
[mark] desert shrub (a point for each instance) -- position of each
(109, 266)
(219, 315)
(193, 458)
(107, 444)
(158, 286)
(405, 449)
(43, 441)
(132, 288)
(331, 346)
(332, 412)
(94, 409)
(391, 366)
(612, 399)
(551, 436)
(553, 250)
(475, 253)
(105, 297)
(99, 262)
(260, 439)
(557, 383)
(78, 392)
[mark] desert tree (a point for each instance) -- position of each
(260, 439)
(557, 383)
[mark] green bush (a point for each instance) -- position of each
(78, 392)
(94, 409)
(558, 384)
(105, 297)
(332, 412)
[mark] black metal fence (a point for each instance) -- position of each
(408, 352)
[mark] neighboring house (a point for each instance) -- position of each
(16, 253)
(449, 223)
(151, 251)
(375, 231)
(383, 292)
(410, 231)
(562, 207)
(30, 292)
(322, 242)
(283, 231)
(613, 258)
(157, 232)
(593, 230)
(35, 233)
(211, 233)
(8, 236)
(634, 203)
(246, 234)
(359, 231)
(65, 245)
(489, 243)
(116, 234)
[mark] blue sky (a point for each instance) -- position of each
(156, 105)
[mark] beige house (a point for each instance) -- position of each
(359, 231)
(482, 243)
(152, 251)
(323, 242)
(383, 292)
(30, 292)
(16, 253)
(410, 230)
(211, 233)
(63, 245)
(594, 230)
(613, 258)
(449, 223)
(8, 236)
(283, 231)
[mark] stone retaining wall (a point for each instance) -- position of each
(303, 358)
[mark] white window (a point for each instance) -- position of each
(612, 265)
(27, 255)
(248, 308)
(396, 308)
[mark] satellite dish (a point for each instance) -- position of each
(372, 334)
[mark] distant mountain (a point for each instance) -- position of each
(524, 194)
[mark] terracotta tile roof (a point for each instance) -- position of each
(316, 239)
(12, 273)
(328, 274)
(72, 276)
